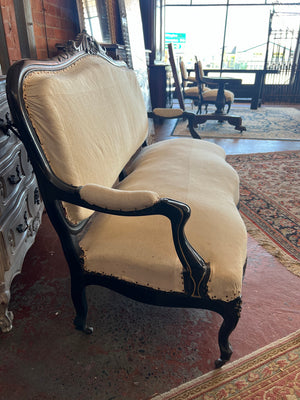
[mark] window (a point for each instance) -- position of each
(91, 19)
(98, 19)
(234, 34)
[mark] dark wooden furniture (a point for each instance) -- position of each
(20, 207)
(200, 97)
(220, 82)
(220, 101)
(168, 231)
(215, 95)
(249, 92)
(160, 84)
(181, 91)
(115, 51)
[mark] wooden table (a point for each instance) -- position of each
(254, 91)
(221, 82)
(219, 114)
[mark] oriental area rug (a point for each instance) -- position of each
(271, 373)
(270, 202)
(271, 123)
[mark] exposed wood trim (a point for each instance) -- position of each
(4, 57)
(25, 28)
(80, 15)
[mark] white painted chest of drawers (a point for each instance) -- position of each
(20, 208)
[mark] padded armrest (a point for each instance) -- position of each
(118, 200)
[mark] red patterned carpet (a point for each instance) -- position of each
(270, 199)
(271, 373)
(136, 350)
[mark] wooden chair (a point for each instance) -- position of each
(200, 95)
(187, 79)
(182, 90)
(209, 96)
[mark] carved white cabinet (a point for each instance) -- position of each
(20, 208)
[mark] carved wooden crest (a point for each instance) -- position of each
(82, 42)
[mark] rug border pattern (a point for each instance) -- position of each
(246, 365)
(269, 230)
(255, 203)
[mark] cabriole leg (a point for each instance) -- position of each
(6, 317)
(80, 304)
(231, 315)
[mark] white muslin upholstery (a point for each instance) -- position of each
(168, 112)
(116, 199)
(141, 249)
(91, 120)
(211, 95)
(93, 149)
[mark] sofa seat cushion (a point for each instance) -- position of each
(141, 249)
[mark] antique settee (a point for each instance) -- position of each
(158, 223)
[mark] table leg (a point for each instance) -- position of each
(220, 100)
(258, 84)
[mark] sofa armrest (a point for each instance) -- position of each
(142, 202)
(118, 200)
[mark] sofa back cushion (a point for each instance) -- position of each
(90, 119)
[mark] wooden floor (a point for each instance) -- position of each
(236, 146)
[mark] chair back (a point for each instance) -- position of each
(177, 81)
(184, 73)
(199, 75)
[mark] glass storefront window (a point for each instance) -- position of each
(246, 37)
(203, 28)
(238, 30)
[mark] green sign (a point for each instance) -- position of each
(178, 39)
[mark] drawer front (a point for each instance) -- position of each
(7, 141)
(22, 224)
(34, 200)
(15, 169)
(7, 138)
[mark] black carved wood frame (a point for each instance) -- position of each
(54, 192)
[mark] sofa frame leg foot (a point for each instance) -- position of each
(219, 363)
(81, 325)
(231, 314)
(80, 304)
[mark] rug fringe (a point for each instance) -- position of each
(290, 263)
